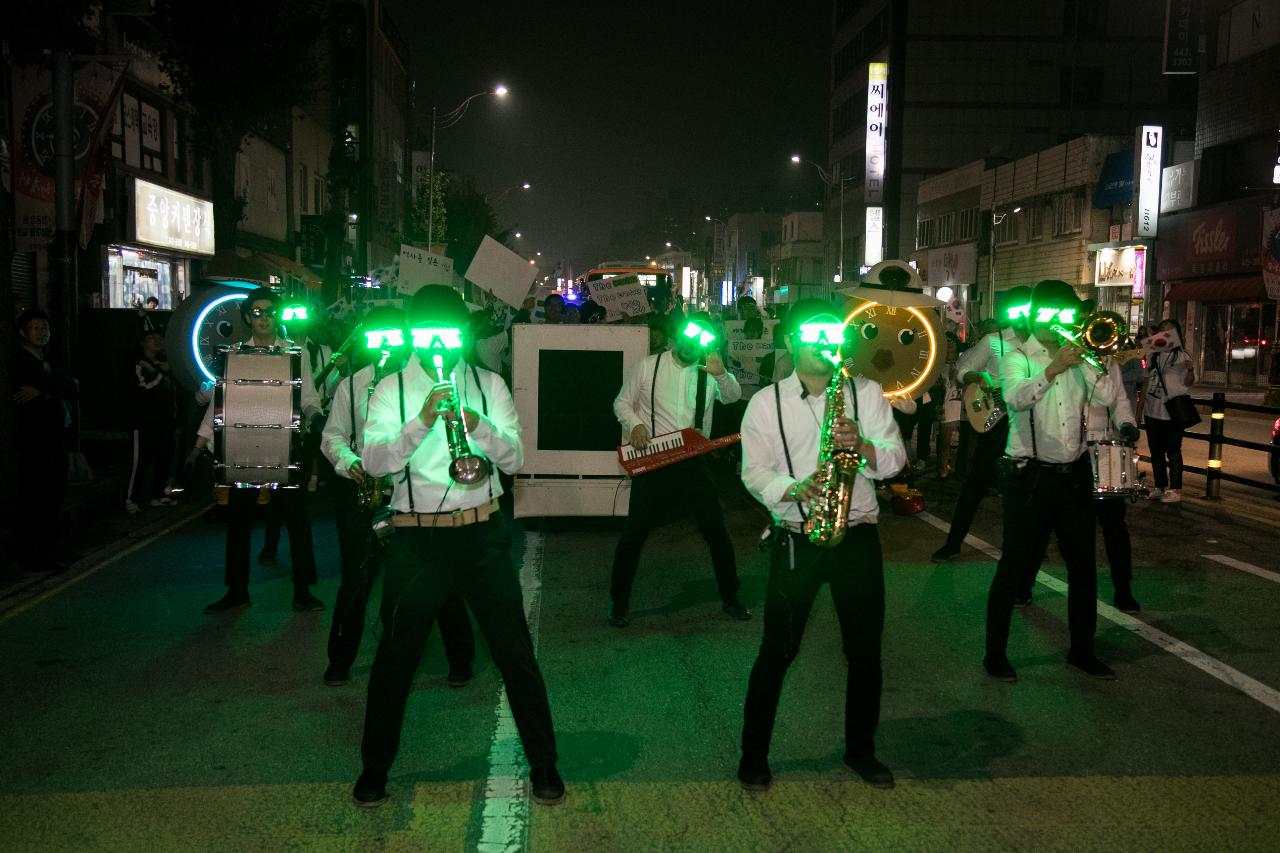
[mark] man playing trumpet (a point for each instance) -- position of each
(782, 464)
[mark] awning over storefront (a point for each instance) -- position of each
(1115, 182)
(1243, 288)
(261, 266)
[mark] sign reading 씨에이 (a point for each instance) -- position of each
(172, 220)
(621, 297)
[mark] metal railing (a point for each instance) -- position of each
(1212, 472)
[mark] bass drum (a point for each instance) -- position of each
(207, 319)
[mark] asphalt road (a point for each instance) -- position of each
(131, 721)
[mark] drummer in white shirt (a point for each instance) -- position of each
(1048, 484)
(447, 537)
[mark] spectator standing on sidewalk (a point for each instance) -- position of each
(1169, 374)
(44, 397)
(153, 412)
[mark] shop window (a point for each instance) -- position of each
(1068, 214)
(1035, 222)
(946, 229)
(967, 224)
(925, 231)
(132, 275)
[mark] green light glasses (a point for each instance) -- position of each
(1064, 316)
(295, 312)
(384, 338)
(437, 337)
(1017, 311)
(702, 336)
(822, 333)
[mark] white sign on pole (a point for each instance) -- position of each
(621, 297)
(418, 267)
(877, 97)
(873, 253)
(501, 271)
(1149, 175)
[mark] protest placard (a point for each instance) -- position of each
(621, 297)
(419, 267)
(501, 271)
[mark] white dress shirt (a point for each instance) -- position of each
(1102, 417)
(675, 397)
(336, 440)
(764, 463)
(1173, 367)
(985, 355)
(1059, 404)
(310, 397)
(391, 442)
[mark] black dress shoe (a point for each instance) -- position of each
(1000, 669)
(460, 675)
(754, 774)
(1126, 603)
(266, 558)
(944, 554)
(337, 675)
(736, 611)
(619, 617)
(545, 786)
(230, 601)
(1091, 666)
(872, 771)
(304, 602)
(370, 790)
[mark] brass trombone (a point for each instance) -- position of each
(1098, 335)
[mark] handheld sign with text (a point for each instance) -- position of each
(419, 267)
(621, 297)
(501, 271)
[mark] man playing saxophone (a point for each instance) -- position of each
(357, 495)
(783, 467)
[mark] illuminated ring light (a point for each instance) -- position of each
(195, 330)
(933, 348)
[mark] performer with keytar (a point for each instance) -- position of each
(665, 393)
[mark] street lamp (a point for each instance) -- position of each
(448, 120)
(522, 186)
(996, 219)
(830, 182)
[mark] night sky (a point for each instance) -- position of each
(622, 114)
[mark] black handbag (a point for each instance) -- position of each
(1180, 408)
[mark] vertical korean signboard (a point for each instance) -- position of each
(877, 98)
(1149, 175)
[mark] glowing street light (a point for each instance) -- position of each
(830, 182)
(448, 120)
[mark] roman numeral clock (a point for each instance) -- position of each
(896, 331)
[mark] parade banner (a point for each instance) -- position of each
(96, 87)
(1271, 251)
(621, 297)
(419, 267)
(502, 272)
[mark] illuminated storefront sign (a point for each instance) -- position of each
(172, 220)
(877, 91)
(1149, 190)
(874, 251)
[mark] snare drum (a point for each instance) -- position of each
(1115, 468)
(257, 419)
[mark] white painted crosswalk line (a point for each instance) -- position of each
(1233, 563)
(1251, 687)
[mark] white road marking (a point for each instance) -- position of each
(1243, 566)
(1251, 687)
(504, 822)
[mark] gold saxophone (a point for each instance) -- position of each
(837, 467)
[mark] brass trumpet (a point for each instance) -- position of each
(467, 468)
(1099, 335)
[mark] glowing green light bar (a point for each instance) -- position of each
(1060, 315)
(437, 337)
(822, 333)
(384, 338)
(704, 337)
(295, 312)
(1016, 311)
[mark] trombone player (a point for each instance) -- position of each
(783, 444)
(435, 426)
(357, 495)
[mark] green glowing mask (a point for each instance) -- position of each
(295, 312)
(384, 338)
(700, 335)
(822, 333)
(1063, 316)
(1016, 312)
(437, 337)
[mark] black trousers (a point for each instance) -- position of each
(855, 572)
(686, 484)
(39, 486)
(423, 567)
(1115, 541)
(1164, 440)
(152, 456)
(361, 561)
(982, 475)
(1039, 500)
(292, 505)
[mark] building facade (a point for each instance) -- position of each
(796, 261)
